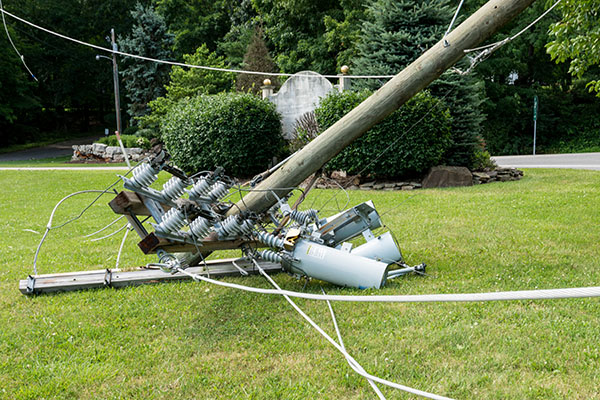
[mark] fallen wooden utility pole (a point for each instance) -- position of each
(478, 27)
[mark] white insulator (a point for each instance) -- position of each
(270, 240)
(200, 227)
(270, 255)
(200, 188)
(219, 190)
(302, 217)
(143, 176)
(247, 227)
(173, 188)
(172, 221)
(229, 227)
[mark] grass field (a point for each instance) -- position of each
(189, 340)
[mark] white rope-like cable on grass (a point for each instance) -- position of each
(121, 247)
(106, 227)
(235, 71)
(352, 362)
(49, 224)
(538, 294)
(341, 341)
(110, 234)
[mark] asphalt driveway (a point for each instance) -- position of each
(572, 161)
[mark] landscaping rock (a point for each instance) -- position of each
(443, 176)
(98, 149)
(378, 186)
(408, 187)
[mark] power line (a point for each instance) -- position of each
(174, 63)
(21, 57)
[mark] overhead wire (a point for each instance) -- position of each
(486, 51)
(21, 57)
(179, 64)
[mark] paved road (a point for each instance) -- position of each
(54, 150)
(572, 161)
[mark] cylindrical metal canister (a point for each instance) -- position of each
(336, 266)
(381, 248)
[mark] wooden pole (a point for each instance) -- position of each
(478, 27)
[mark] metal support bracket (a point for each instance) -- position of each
(108, 277)
(30, 285)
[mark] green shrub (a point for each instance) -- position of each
(400, 145)
(239, 132)
(128, 141)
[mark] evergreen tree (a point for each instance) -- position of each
(257, 58)
(145, 81)
(397, 32)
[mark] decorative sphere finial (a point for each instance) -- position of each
(267, 82)
(344, 69)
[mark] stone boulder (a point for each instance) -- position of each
(442, 176)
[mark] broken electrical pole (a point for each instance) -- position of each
(478, 27)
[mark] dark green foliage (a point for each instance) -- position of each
(400, 145)
(194, 22)
(145, 81)
(295, 30)
(521, 70)
(187, 82)
(395, 34)
(239, 132)
(257, 58)
(16, 95)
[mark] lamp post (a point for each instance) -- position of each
(116, 83)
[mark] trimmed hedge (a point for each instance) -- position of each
(238, 132)
(399, 146)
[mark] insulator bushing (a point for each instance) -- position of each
(232, 226)
(303, 217)
(172, 221)
(200, 188)
(200, 227)
(143, 176)
(270, 240)
(270, 255)
(173, 188)
(218, 191)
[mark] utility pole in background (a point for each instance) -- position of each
(117, 97)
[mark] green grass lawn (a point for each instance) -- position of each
(190, 340)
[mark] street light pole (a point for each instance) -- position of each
(117, 101)
(116, 81)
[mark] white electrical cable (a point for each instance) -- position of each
(107, 226)
(49, 224)
(504, 41)
(237, 71)
(110, 234)
(341, 341)
(538, 294)
(121, 247)
(344, 352)
(446, 44)
(21, 57)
